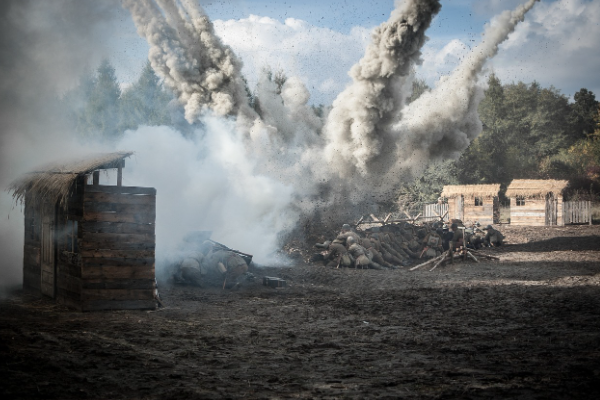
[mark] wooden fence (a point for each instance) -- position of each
(577, 212)
(433, 212)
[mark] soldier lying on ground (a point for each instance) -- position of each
(493, 237)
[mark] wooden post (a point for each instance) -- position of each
(96, 178)
(589, 206)
(120, 175)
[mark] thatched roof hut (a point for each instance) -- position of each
(54, 182)
(490, 190)
(531, 188)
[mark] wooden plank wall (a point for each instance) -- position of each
(117, 248)
(32, 248)
(68, 269)
(533, 213)
(483, 214)
(577, 212)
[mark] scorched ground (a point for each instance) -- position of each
(527, 327)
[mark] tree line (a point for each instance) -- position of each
(529, 132)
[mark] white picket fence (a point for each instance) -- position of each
(577, 212)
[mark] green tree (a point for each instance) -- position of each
(583, 112)
(102, 111)
(145, 102)
(484, 160)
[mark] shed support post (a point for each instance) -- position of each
(96, 178)
(120, 175)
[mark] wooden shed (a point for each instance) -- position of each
(536, 202)
(87, 245)
(473, 203)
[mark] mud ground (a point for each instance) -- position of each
(527, 326)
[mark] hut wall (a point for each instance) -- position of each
(116, 241)
(68, 270)
(32, 273)
(532, 213)
(483, 214)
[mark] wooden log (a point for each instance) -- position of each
(433, 260)
(113, 273)
(472, 256)
(120, 189)
(119, 198)
(438, 263)
(99, 305)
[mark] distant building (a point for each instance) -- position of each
(87, 245)
(473, 203)
(536, 202)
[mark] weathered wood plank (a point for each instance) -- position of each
(114, 272)
(99, 305)
(116, 227)
(112, 253)
(119, 198)
(118, 262)
(31, 281)
(120, 189)
(93, 207)
(117, 294)
(134, 216)
(117, 238)
(118, 284)
(68, 282)
(33, 268)
(69, 269)
(150, 245)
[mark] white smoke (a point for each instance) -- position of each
(363, 110)
(285, 157)
(441, 123)
(190, 58)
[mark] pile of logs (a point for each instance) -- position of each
(462, 253)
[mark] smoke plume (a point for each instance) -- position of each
(190, 58)
(363, 110)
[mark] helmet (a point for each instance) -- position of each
(489, 227)
(350, 240)
(345, 227)
(445, 227)
(477, 223)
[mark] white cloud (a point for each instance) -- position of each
(557, 45)
(321, 57)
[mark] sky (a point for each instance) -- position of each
(319, 41)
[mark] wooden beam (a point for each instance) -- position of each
(96, 178)
(120, 175)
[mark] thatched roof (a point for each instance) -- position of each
(490, 190)
(54, 182)
(535, 187)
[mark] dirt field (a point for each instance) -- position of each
(527, 326)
